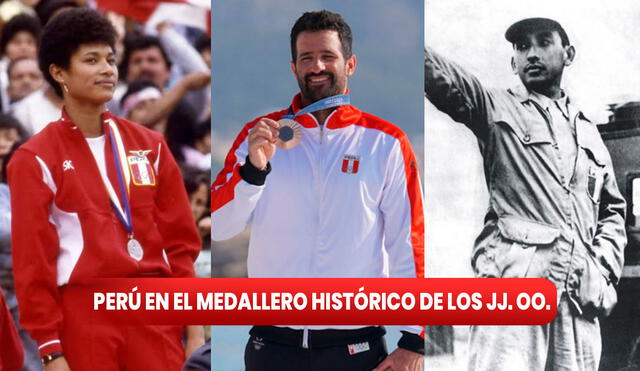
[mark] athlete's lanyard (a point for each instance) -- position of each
(124, 181)
(328, 102)
(289, 134)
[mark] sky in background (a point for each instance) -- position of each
(606, 70)
(251, 54)
(252, 77)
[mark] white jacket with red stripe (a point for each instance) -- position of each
(346, 202)
(64, 230)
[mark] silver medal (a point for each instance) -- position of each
(135, 249)
(289, 134)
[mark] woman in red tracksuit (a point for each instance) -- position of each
(95, 196)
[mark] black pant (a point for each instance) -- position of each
(263, 354)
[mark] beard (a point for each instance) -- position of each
(315, 93)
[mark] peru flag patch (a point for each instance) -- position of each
(350, 164)
(141, 169)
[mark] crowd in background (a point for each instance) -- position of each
(164, 72)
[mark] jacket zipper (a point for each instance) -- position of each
(305, 337)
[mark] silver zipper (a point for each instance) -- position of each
(305, 337)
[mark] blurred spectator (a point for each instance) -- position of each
(145, 59)
(196, 183)
(11, 355)
(8, 129)
(198, 153)
(19, 39)
(189, 60)
(38, 109)
(180, 131)
(203, 46)
(141, 93)
(11, 8)
(10, 132)
(150, 58)
(24, 78)
(141, 97)
(46, 9)
(42, 106)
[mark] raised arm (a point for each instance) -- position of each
(457, 93)
(238, 187)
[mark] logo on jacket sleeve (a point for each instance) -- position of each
(350, 164)
(141, 169)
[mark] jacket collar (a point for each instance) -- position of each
(104, 116)
(524, 96)
(342, 116)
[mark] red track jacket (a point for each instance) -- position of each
(65, 230)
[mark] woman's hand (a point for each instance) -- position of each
(195, 339)
(58, 364)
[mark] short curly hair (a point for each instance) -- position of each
(21, 22)
(66, 32)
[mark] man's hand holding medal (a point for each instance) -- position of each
(266, 135)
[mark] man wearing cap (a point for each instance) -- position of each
(555, 210)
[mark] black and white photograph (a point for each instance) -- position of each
(531, 144)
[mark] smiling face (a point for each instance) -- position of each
(320, 67)
(91, 76)
(148, 64)
(539, 60)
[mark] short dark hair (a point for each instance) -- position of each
(202, 42)
(64, 34)
(7, 159)
(136, 86)
(8, 121)
(193, 177)
(322, 20)
(45, 9)
(21, 22)
(134, 43)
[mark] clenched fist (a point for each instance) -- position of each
(262, 142)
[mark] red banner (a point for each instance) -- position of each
(318, 301)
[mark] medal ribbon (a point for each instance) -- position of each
(124, 178)
(328, 102)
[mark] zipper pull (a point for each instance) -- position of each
(305, 337)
